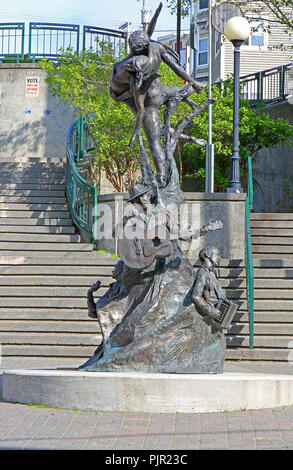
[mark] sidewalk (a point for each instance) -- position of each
(31, 427)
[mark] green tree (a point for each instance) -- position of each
(83, 81)
(257, 130)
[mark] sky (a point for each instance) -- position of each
(102, 13)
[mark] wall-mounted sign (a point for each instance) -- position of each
(32, 86)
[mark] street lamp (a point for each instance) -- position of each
(236, 30)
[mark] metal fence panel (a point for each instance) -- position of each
(12, 41)
(93, 35)
(47, 39)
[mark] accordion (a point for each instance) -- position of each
(227, 311)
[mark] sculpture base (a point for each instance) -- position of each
(147, 393)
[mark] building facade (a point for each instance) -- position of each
(258, 52)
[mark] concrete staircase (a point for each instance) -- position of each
(45, 272)
(272, 243)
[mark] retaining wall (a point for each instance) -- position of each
(32, 121)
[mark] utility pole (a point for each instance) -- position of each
(209, 183)
(145, 15)
(126, 27)
(178, 40)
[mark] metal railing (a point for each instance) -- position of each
(92, 35)
(81, 195)
(248, 255)
(47, 39)
(12, 41)
(269, 86)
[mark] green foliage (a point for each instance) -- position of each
(185, 5)
(83, 81)
(257, 130)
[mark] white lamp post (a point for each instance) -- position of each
(237, 29)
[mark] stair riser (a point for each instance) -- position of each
(19, 221)
(7, 200)
(34, 214)
(39, 237)
(35, 229)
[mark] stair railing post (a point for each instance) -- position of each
(248, 256)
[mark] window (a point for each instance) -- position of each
(203, 4)
(203, 51)
(257, 36)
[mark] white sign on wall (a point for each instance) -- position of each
(32, 86)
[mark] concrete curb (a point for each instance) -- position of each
(149, 393)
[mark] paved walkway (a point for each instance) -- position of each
(31, 427)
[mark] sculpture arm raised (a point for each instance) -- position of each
(198, 86)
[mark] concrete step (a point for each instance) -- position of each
(33, 182)
(88, 325)
(99, 272)
(33, 159)
(272, 250)
(63, 259)
(36, 229)
(62, 271)
(265, 294)
(268, 256)
(272, 305)
(37, 193)
(44, 247)
(265, 317)
(35, 214)
(84, 352)
(59, 326)
(45, 314)
(67, 292)
(58, 281)
(286, 240)
(272, 262)
(271, 216)
(259, 283)
(54, 339)
(31, 173)
(259, 273)
(273, 342)
(34, 186)
(11, 207)
(38, 237)
(285, 329)
(32, 166)
(257, 354)
(271, 224)
(22, 199)
(33, 221)
(272, 232)
(46, 302)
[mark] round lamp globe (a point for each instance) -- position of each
(237, 29)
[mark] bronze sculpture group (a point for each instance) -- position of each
(159, 315)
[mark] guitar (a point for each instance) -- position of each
(140, 253)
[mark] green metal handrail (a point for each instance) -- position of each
(81, 195)
(12, 41)
(268, 86)
(248, 256)
(47, 39)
